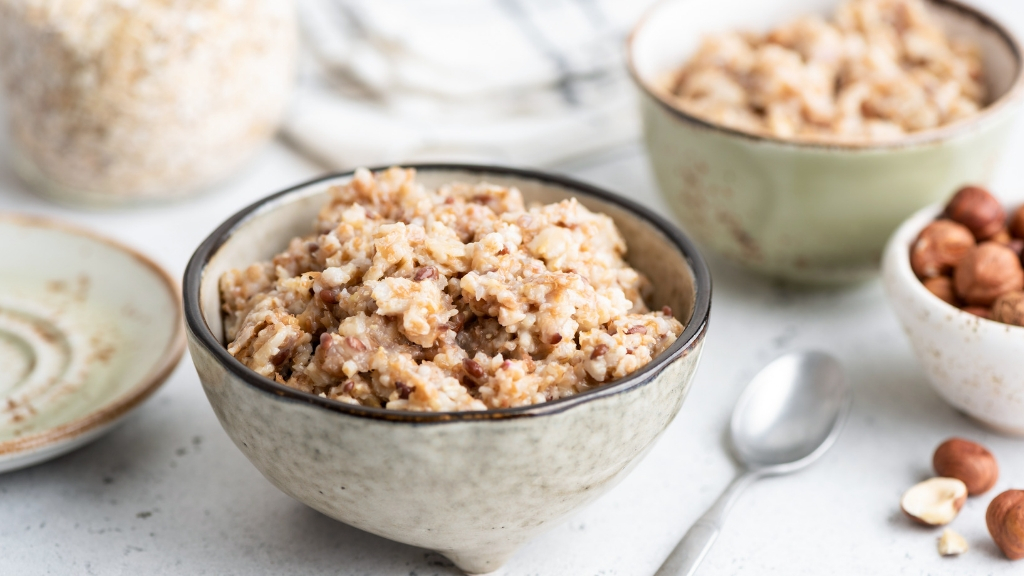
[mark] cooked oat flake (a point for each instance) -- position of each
(460, 298)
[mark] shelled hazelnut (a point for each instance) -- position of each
(934, 502)
(971, 257)
(951, 543)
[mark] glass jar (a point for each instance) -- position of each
(119, 101)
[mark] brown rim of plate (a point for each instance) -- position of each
(128, 400)
(693, 333)
(929, 136)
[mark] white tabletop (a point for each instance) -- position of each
(168, 493)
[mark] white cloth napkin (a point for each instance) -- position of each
(513, 81)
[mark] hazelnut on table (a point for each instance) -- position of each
(934, 502)
(968, 462)
(1005, 520)
(951, 543)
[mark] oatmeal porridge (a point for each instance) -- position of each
(459, 298)
(879, 69)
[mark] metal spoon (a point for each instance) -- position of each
(789, 415)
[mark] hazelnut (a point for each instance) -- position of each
(975, 208)
(934, 502)
(939, 247)
(942, 286)
(979, 311)
(951, 543)
(1005, 519)
(1017, 223)
(1009, 309)
(987, 271)
(1002, 237)
(967, 461)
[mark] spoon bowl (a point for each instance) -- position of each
(789, 414)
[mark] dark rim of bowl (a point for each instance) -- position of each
(932, 135)
(692, 333)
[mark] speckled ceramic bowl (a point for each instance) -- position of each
(807, 212)
(973, 363)
(472, 485)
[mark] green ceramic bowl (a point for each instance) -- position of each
(807, 212)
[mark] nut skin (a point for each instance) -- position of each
(939, 247)
(942, 287)
(1016, 225)
(1009, 309)
(1005, 520)
(977, 209)
(967, 461)
(986, 272)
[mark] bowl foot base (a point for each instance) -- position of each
(997, 428)
(478, 563)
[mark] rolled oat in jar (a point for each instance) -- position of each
(115, 101)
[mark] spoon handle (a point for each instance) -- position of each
(690, 551)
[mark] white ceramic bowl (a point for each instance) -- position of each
(472, 485)
(89, 328)
(976, 365)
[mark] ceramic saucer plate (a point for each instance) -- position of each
(89, 328)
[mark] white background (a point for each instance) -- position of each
(168, 493)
